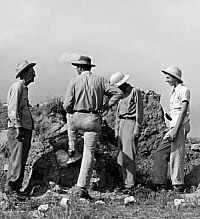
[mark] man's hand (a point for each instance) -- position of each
(103, 108)
(20, 134)
(136, 132)
(173, 134)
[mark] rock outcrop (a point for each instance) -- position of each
(48, 154)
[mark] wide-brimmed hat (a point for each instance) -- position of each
(22, 66)
(174, 71)
(83, 60)
(118, 79)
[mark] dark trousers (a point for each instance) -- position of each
(18, 154)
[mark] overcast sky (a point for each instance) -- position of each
(137, 37)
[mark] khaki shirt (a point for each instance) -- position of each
(87, 92)
(180, 94)
(19, 114)
(130, 106)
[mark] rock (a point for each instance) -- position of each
(195, 147)
(99, 202)
(43, 208)
(62, 158)
(178, 201)
(65, 202)
(129, 199)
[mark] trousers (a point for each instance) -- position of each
(90, 124)
(172, 153)
(18, 154)
(127, 146)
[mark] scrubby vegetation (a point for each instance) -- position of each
(50, 119)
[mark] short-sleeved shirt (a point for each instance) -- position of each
(86, 92)
(181, 94)
(19, 114)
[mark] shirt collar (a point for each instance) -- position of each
(177, 87)
(22, 82)
(128, 88)
(86, 72)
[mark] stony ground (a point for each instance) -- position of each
(58, 200)
(63, 203)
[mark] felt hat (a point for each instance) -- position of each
(83, 60)
(22, 66)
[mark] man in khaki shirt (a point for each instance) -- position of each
(20, 126)
(84, 101)
(129, 117)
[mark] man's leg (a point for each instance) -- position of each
(17, 159)
(177, 158)
(87, 164)
(25, 151)
(126, 157)
(160, 166)
(74, 155)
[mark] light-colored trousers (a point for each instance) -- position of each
(174, 153)
(18, 154)
(91, 125)
(127, 152)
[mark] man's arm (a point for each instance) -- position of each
(117, 121)
(114, 94)
(14, 96)
(69, 98)
(180, 120)
(139, 112)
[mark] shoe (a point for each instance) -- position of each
(83, 193)
(159, 188)
(74, 156)
(178, 188)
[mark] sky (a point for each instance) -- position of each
(136, 37)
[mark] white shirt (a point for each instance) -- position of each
(181, 94)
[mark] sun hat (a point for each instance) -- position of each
(83, 60)
(118, 79)
(22, 66)
(174, 71)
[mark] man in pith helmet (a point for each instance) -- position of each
(129, 117)
(172, 147)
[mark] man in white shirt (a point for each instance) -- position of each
(172, 147)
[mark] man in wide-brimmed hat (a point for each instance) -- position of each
(172, 147)
(20, 126)
(84, 102)
(129, 117)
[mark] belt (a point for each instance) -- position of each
(125, 117)
(86, 111)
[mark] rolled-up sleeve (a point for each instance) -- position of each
(114, 94)
(139, 108)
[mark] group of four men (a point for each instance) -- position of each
(84, 104)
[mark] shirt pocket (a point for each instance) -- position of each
(176, 102)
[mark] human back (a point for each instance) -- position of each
(89, 91)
